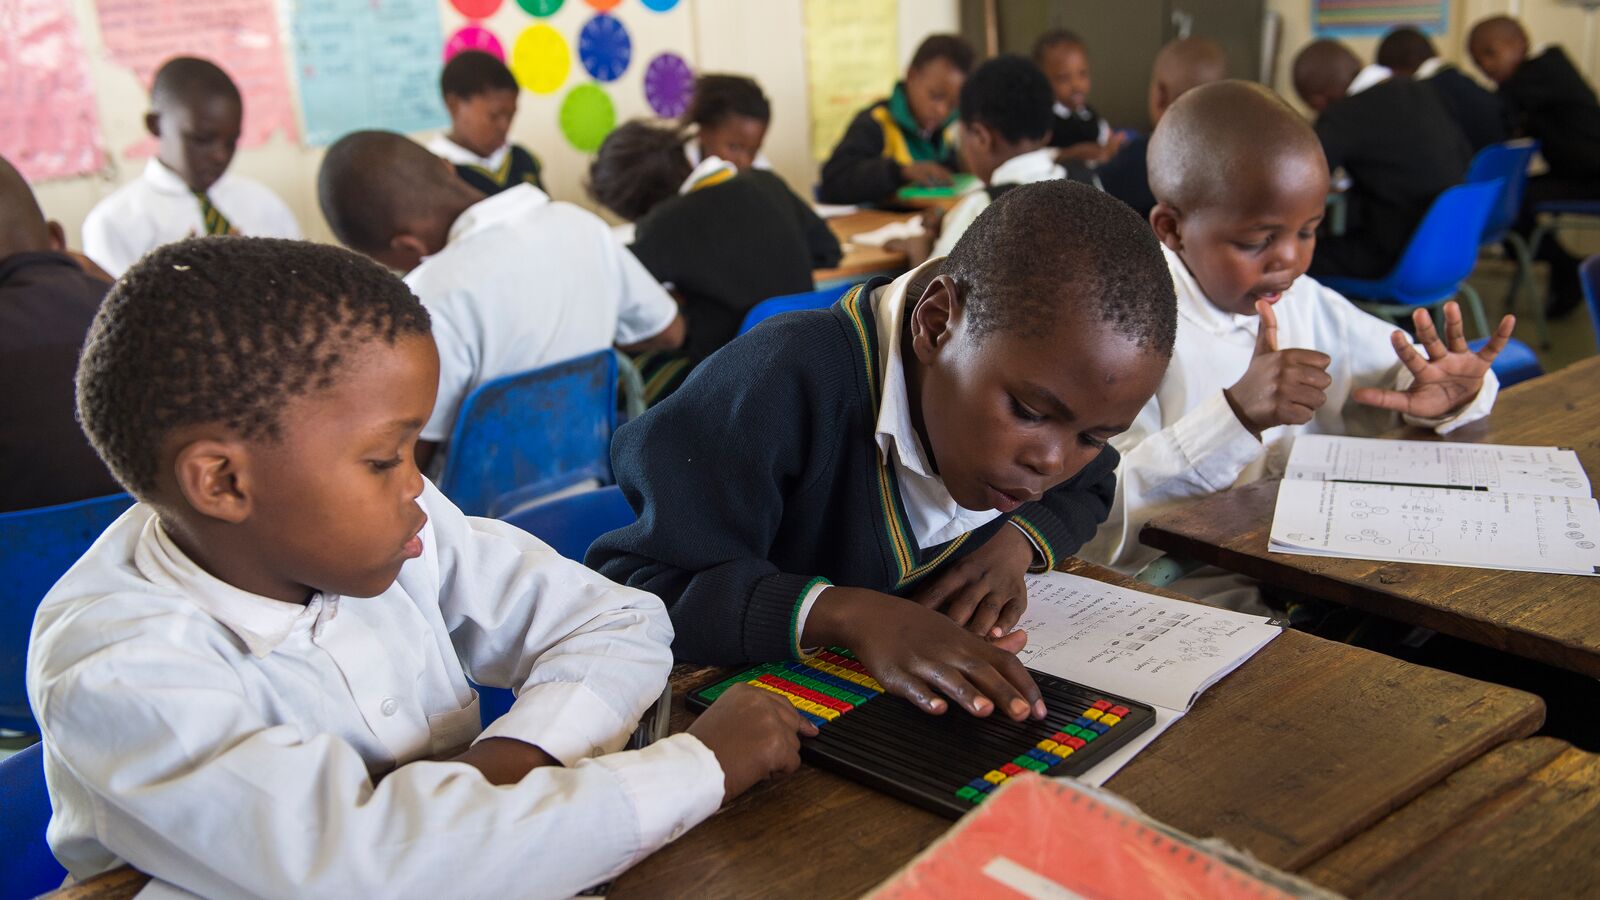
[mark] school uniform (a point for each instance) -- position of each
(524, 282)
(1401, 149)
(1025, 168)
(1077, 126)
(1550, 101)
(1126, 176)
(695, 154)
(1480, 114)
(865, 165)
(728, 241)
(158, 208)
(46, 305)
(789, 462)
(231, 744)
(506, 167)
(1187, 443)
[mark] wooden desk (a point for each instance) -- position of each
(1550, 618)
(859, 262)
(1521, 821)
(1304, 747)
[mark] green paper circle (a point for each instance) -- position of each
(540, 8)
(587, 116)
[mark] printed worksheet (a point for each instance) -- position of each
(1481, 467)
(1442, 526)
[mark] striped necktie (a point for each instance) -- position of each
(216, 222)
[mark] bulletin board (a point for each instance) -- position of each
(852, 49)
(1358, 18)
(49, 127)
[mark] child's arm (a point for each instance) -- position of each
(858, 172)
(1449, 387)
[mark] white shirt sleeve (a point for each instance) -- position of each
(958, 219)
(644, 309)
(277, 213)
(115, 239)
(458, 362)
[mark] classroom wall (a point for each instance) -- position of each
(759, 38)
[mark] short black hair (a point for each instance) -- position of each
(373, 184)
(1404, 49)
(185, 79)
(1057, 37)
(1011, 96)
(718, 98)
(640, 164)
(226, 330)
(1041, 250)
(473, 72)
(951, 48)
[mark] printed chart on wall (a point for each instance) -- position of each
(367, 64)
(242, 36)
(851, 53)
(48, 125)
(1356, 18)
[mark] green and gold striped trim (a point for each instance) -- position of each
(794, 617)
(1033, 532)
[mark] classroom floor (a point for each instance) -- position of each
(1571, 337)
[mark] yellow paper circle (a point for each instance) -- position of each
(540, 59)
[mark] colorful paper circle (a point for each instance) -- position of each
(540, 8)
(540, 59)
(474, 37)
(659, 5)
(604, 47)
(476, 9)
(603, 5)
(668, 85)
(587, 116)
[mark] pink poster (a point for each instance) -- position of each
(48, 124)
(241, 36)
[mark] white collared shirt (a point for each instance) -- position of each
(441, 145)
(1430, 67)
(1035, 165)
(694, 153)
(1187, 443)
(1367, 77)
(231, 744)
(706, 168)
(524, 282)
(158, 208)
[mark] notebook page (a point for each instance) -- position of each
(1483, 467)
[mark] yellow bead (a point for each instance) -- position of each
(1109, 719)
(1046, 745)
(994, 777)
(1091, 714)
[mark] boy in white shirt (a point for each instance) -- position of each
(255, 682)
(195, 115)
(1264, 353)
(513, 282)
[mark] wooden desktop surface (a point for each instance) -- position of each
(1303, 748)
(860, 261)
(1550, 618)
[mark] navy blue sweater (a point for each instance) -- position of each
(761, 476)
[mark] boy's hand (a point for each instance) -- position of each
(918, 654)
(1449, 378)
(926, 174)
(984, 590)
(754, 734)
(1281, 387)
(504, 760)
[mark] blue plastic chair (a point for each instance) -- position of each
(1589, 275)
(1555, 215)
(766, 309)
(1434, 267)
(37, 547)
(30, 868)
(523, 436)
(1516, 362)
(1509, 161)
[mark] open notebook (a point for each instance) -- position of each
(1155, 650)
(1488, 506)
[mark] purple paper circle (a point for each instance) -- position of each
(668, 85)
(474, 37)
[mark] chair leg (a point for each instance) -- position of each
(1475, 306)
(632, 385)
(1524, 279)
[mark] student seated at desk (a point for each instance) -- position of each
(480, 94)
(844, 476)
(255, 682)
(905, 139)
(728, 116)
(47, 301)
(724, 239)
(1079, 134)
(1396, 141)
(195, 116)
(1264, 353)
(1408, 53)
(513, 282)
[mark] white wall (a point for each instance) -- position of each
(759, 38)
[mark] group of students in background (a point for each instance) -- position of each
(257, 679)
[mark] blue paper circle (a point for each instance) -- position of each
(604, 47)
(659, 5)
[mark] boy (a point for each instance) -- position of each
(840, 476)
(513, 282)
(1079, 133)
(1548, 100)
(255, 682)
(1181, 66)
(1408, 53)
(904, 139)
(1264, 353)
(46, 303)
(1005, 129)
(729, 115)
(480, 94)
(1396, 141)
(195, 115)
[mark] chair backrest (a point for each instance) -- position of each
(30, 869)
(532, 434)
(1589, 275)
(1508, 161)
(766, 309)
(570, 524)
(1444, 248)
(38, 546)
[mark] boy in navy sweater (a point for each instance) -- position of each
(843, 476)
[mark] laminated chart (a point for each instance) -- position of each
(49, 127)
(368, 64)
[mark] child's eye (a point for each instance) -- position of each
(1088, 441)
(382, 465)
(1024, 413)
(1256, 247)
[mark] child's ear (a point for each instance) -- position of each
(152, 123)
(214, 477)
(1168, 225)
(406, 251)
(935, 316)
(58, 236)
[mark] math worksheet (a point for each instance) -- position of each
(1482, 467)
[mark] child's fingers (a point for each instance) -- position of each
(964, 604)
(1266, 329)
(1454, 334)
(1011, 642)
(1428, 335)
(954, 684)
(1011, 615)
(987, 614)
(1016, 675)
(1497, 341)
(1407, 353)
(1391, 400)
(937, 592)
(914, 689)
